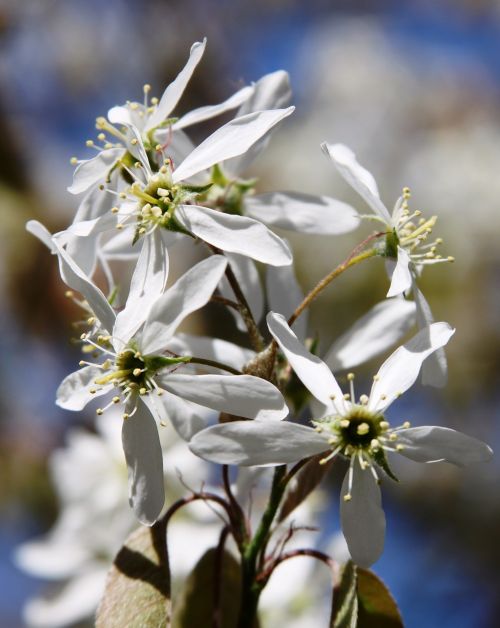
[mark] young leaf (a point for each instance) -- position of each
(376, 606)
(195, 606)
(345, 601)
(137, 591)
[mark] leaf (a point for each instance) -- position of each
(376, 606)
(306, 480)
(345, 601)
(137, 592)
(195, 606)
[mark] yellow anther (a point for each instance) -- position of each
(73, 161)
(134, 141)
(142, 231)
(158, 147)
(406, 424)
(101, 137)
(125, 416)
(83, 337)
(136, 372)
(364, 400)
(163, 169)
(122, 195)
(156, 211)
(91, 320)
(393, 436)
(115, 210)
(451, 258)
(160, 393)
(99, 411)
(147, 88)
(350, 377)
(89, 143)
(347, 497)
(69, 294)
(154, 100)
(375, 445)
(376, 378)
(163, 424)
(400, 447)
(384, 425)
(106, 364)
(344, 423)
(116, 399)
(362, 429)
(92, 391)
(347, 396)
(143, 391)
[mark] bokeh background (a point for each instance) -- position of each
(414, 88)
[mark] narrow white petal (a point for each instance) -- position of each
(74, 391)
(146, 287)
(401, 369)
(357, 177)
(51, 559)
(373, 333)
(230, 140)
(305, 213)
(401, 280)
(174, 91)
(189, 293)
(187, 418)
(210, 111)
(242, 395)
(93, 170)
(92, 227)
(313, 372)
(271, 91)
(144, 459)
(362, 517)
(435, 368)
(42, 233)
(432, 444)
(284, 294)
(97, 202)
(250, 443)
(76, 279)
(120, 115)
(235, 234)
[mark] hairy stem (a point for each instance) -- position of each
(353, 259)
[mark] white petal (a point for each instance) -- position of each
(174, 91)
(235, 234)
(76, 279)
(248, 278)
(241, 395)
(97, 202)
(313, 372)
(120, 115)
(230, 140)
(91, 171)
(42, 233)
(210, 111)
(401, 276)
(272, 91)
(188, 418)
(357, 177)
(372, 334)
(435, 368)
(92, 227)
(146, 287)
(145, 465)
(250, 443)
(431, 444)
(363, 520)
(189, 293)
(51, 559)
(305, 213)
(401, 369)
(284, 294)
(73, 392)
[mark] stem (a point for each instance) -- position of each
(353, 259)
(214, 363)
(265, 575)
(243, 306)
(250, 588)
(241, 533)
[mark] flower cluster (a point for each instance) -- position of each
(150, 193)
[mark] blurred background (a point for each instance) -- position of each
(414, 88)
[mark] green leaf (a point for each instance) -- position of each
(381, 459)
(376, 606)
(195, 605)
(345, 601)
(137, 592)
(306, 480)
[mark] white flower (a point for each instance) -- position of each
(355, 429)
(135, 369)
(406, 247)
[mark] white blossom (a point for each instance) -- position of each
(355, 429)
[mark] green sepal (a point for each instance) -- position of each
(391, 244)
(158, 362)
(172, 224)
(197, 189)
(218, 177)
(381, 459)
(113, 295)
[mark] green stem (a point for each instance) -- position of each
(251, 588)
(215, 364)
(321, 285)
